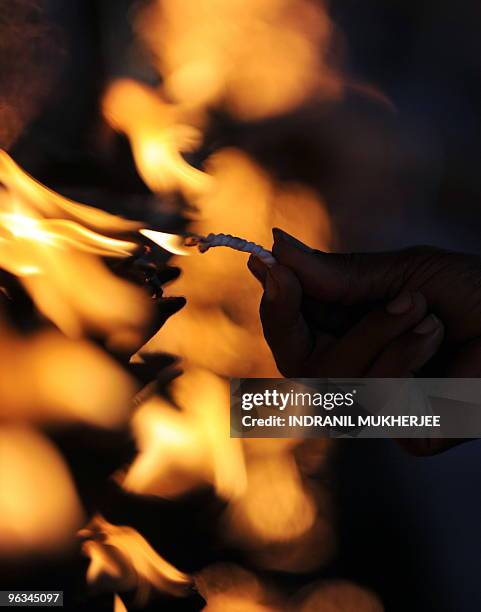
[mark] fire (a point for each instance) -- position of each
(39, 507)
(119, 605)
(337, 595)
(275, 507)
(61, 381)
(257, 58)
(122, 560)
(53, 245)
(158, 137)
(169, 242)
(223, 298)
(229, 588)
(181, 449)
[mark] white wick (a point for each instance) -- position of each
(204, 243)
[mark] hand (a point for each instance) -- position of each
(362, 314)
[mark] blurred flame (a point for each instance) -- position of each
(45, 242)
(122, 560)
(39, 508)
(336, 596)
(183, 448)
(223, 297)
(229, 588)
(256, 57)
(275, 507)
(59, 380)
(157, 135)
(119, 605)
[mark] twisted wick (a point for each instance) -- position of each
(204, 243)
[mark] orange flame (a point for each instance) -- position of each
(169, 242)
(186, 448)
(68, 381)
(228, 587)
(44, 241)
(39, 508)
(256, 57)
(157, 135)
(121, 560)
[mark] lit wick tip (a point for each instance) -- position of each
(204, 243)
(177, 244)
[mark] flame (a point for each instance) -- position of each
(157, 135)
(121, 560)
(183, 449)
(119, 605)
(257, 58)
(229, 588)
(223, 298)
(169, 242)
(52, 244)
(65, 381)
(39, 508)
(336, 595)
(275, 506)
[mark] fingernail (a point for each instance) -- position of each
(428, 326)
(401, 304)
(281, 235)
(271, 288)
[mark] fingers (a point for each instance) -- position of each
(285, 329)
(343, 278)
(408, 353)
(360, 347)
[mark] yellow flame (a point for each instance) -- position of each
(219, 328)
(275, 506)
(169, 242)
(53, 245)
(256, 57)
(49, 378)
(157, 135)
(229, 588)
(119, 605)
(39, 508)
(186, 448)
(121, 560)
(333, 595)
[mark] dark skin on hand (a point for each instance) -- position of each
(381, 315)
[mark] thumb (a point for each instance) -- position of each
(338, 277)
(284, 327)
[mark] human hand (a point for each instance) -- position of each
(329, 314)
